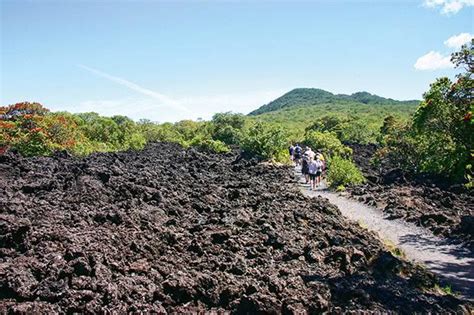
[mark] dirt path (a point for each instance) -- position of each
(450, 262)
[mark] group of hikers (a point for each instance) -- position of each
(313, 164)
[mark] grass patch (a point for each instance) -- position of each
(340, 188)
(396, 251)
(444, 290)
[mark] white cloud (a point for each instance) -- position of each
(433, 61)
(456, 41)
(448, 7)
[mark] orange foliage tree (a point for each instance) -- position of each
(30, 129)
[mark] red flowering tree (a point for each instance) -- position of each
(32, 130)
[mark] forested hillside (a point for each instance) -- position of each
(305, 97)
(360, 115)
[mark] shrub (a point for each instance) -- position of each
(327, 142)
(189, 129)
(136, 141)
(266, 141)
(355, 130)
(343, 172)
(228, 135)
(227, 127)
(326, 123)
(100, 129)
(346, 128)
(32, 143)
(165, 132)
(110, 134)
(210, 145)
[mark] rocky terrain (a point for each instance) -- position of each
(447, 210)
(172, 230)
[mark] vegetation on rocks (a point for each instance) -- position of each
(440, 138)
(267, 141)
(343, 172)
(434, 138)
(328, 143)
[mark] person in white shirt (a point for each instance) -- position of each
(315, 169)
(310, 153)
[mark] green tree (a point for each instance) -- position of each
(266, 141)
(441, 137)
(227, 127)
(328, 143)
(327, 123)
(343, 172)
(210, 145)
(352, 128)
(443, 122)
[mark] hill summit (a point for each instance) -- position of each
(305, 97)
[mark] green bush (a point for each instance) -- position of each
(346, 128)
(167, 133)
(327, 123)
(189, 129)
(100, 129)
(33, 143)
(356, 130)
(266, 141)
(228, 135)
(227, 127)
(136, 141)
(343, 172)
(210, 145)
(327, 142)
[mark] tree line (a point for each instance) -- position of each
(436, 139)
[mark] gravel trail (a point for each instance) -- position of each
(452, 263)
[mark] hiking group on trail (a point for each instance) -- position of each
(313, 164)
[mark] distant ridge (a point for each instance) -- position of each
(305, 97)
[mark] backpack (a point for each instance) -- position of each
(298, 150)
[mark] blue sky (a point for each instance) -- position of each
(187, 59)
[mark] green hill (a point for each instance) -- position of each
(362, 113)
(303, 97)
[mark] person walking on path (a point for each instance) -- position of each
(291, 150)
(304, 168)
(315, 169)
(319, 171)
(309, 152)
(308, 155)
(297, 154)
(312, 174)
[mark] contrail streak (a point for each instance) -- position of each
(135, 87)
